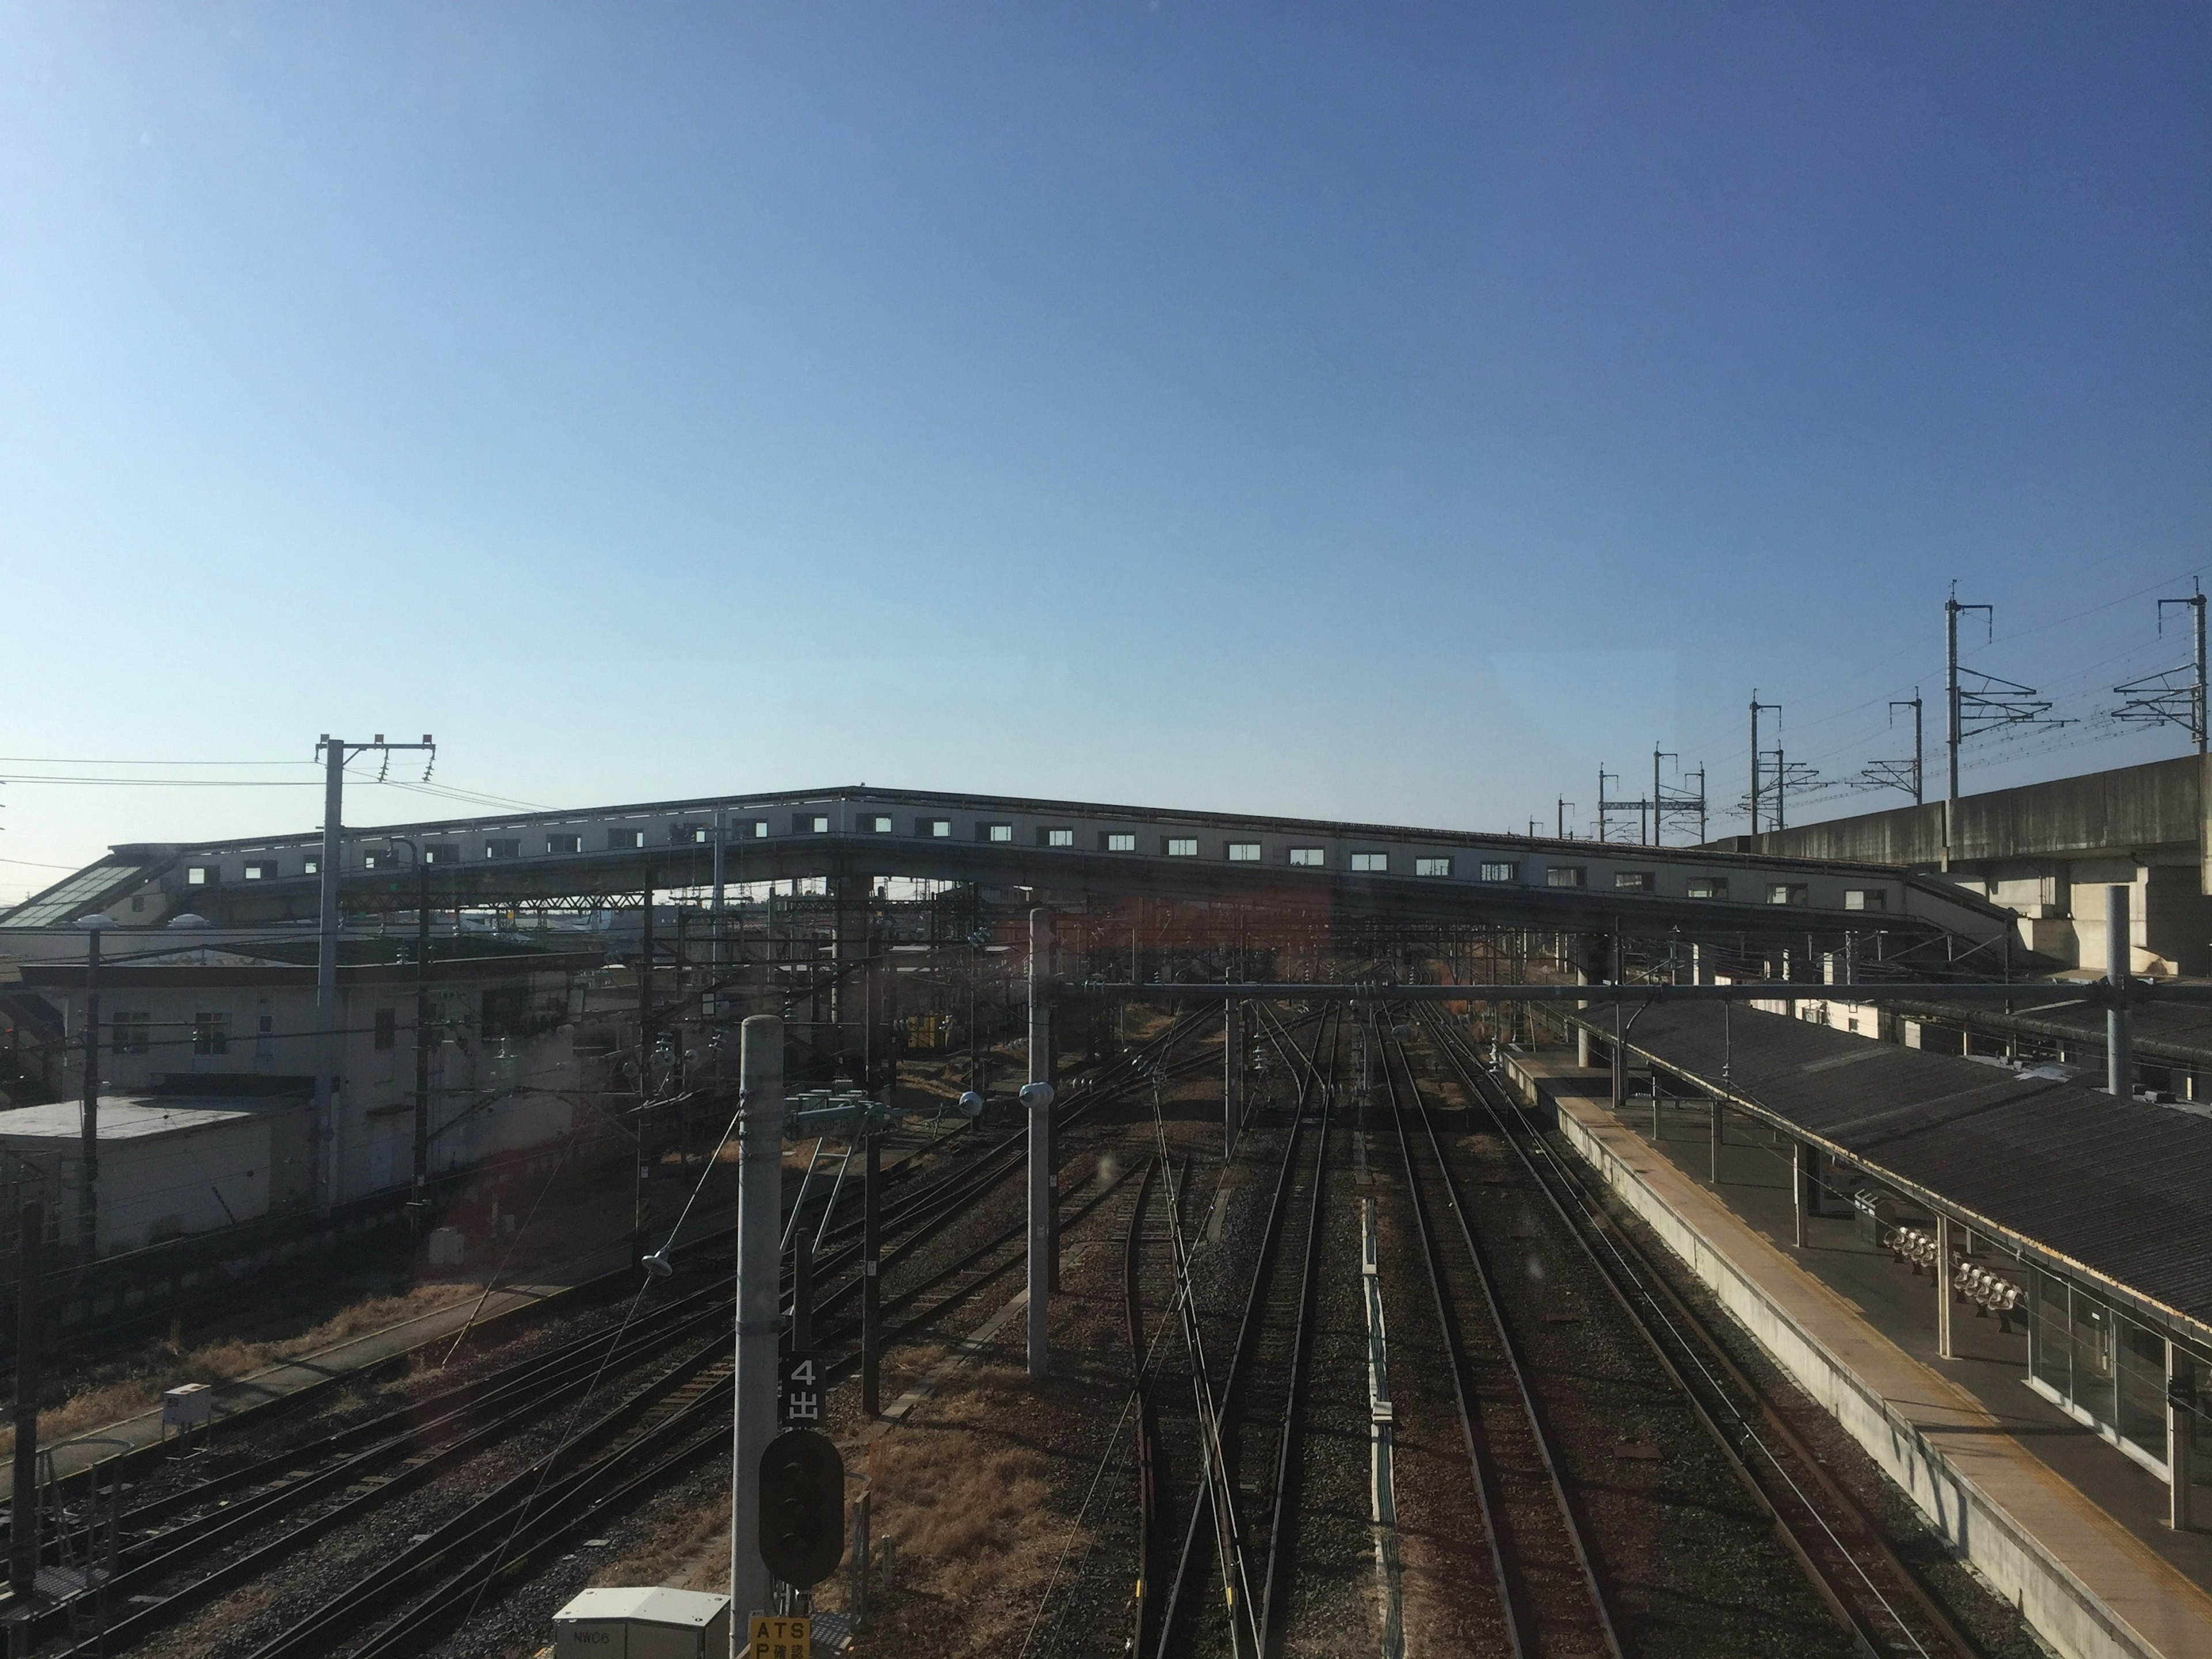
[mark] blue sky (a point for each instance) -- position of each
(1376, 412)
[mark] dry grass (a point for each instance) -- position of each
(682, 1547)
(968, 1506)
(126, 1387)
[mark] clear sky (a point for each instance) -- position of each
(1376, 412)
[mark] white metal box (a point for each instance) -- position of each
(642, 1623)
(187, 1406)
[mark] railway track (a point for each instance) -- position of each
(1880, 1604)
(1549, 1596)
(666, 1370)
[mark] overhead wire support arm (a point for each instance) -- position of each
(2156, 699)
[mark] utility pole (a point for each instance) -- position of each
(1953, 734)
(1037, 1096)
(1756, 707)
(23, 1503)
(1658, 798)
(334, 752)
(87, 1187)
(760, 1205)
(1901, 774)
(2155, 698)
(1972, 710)
(1560, 830)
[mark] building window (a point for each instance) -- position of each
(1183, 847)
(133, 1033)
(1433, 867)
(371, 860)
(939, 828)
(387, 1027)
(210, 1034)
(879, 825)
(1243, 852)
(1709, 887)
(1370, 864)
(1865, 898)
(998, 832)
(1120, 840)
(312, 865)
(261, 869)
(1786, 892)
(502, 849)
(1309, 858)
(203, 875)
(1631, 881)
(760, 827)
(564, 843)
(821, 824)
(1501, 873)
(441, 855)
(1060, 837)
(1565, 875)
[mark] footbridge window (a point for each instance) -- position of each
(502, 849)
(1309, 858)
(1501, 872)
(1370, 864)
(1119, 841)
(1865, 898)
(1708, 887)
(1566, 875)
(938, 828)
(447, 854)
(203, 875)
(1631, 881)
(999, 832)
(879, 824)
(1433, 867)
(1788, 892)
(620, 841)
(564, 843)
(1183, 847)
(261, 869)
(1243, 852)
(1059, 837)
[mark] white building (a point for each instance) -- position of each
(214, 1018)
(167, 1167)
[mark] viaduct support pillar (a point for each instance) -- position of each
(2119, 1055)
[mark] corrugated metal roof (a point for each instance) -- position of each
(2122, 1189)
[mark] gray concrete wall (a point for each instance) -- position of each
(2063, 1610)
(2129, 808)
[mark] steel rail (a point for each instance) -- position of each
(1132, 1319)
(1455, 1355)
(1488, 1092)
(942, 1204)
(1287, 1462)
(1248, 1327)
(1516, 1363)
(1649, 1279)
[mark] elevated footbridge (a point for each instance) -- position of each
(1346, 870)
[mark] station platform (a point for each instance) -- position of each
(2034, 1499)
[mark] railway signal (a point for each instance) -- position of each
(802, 1507)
